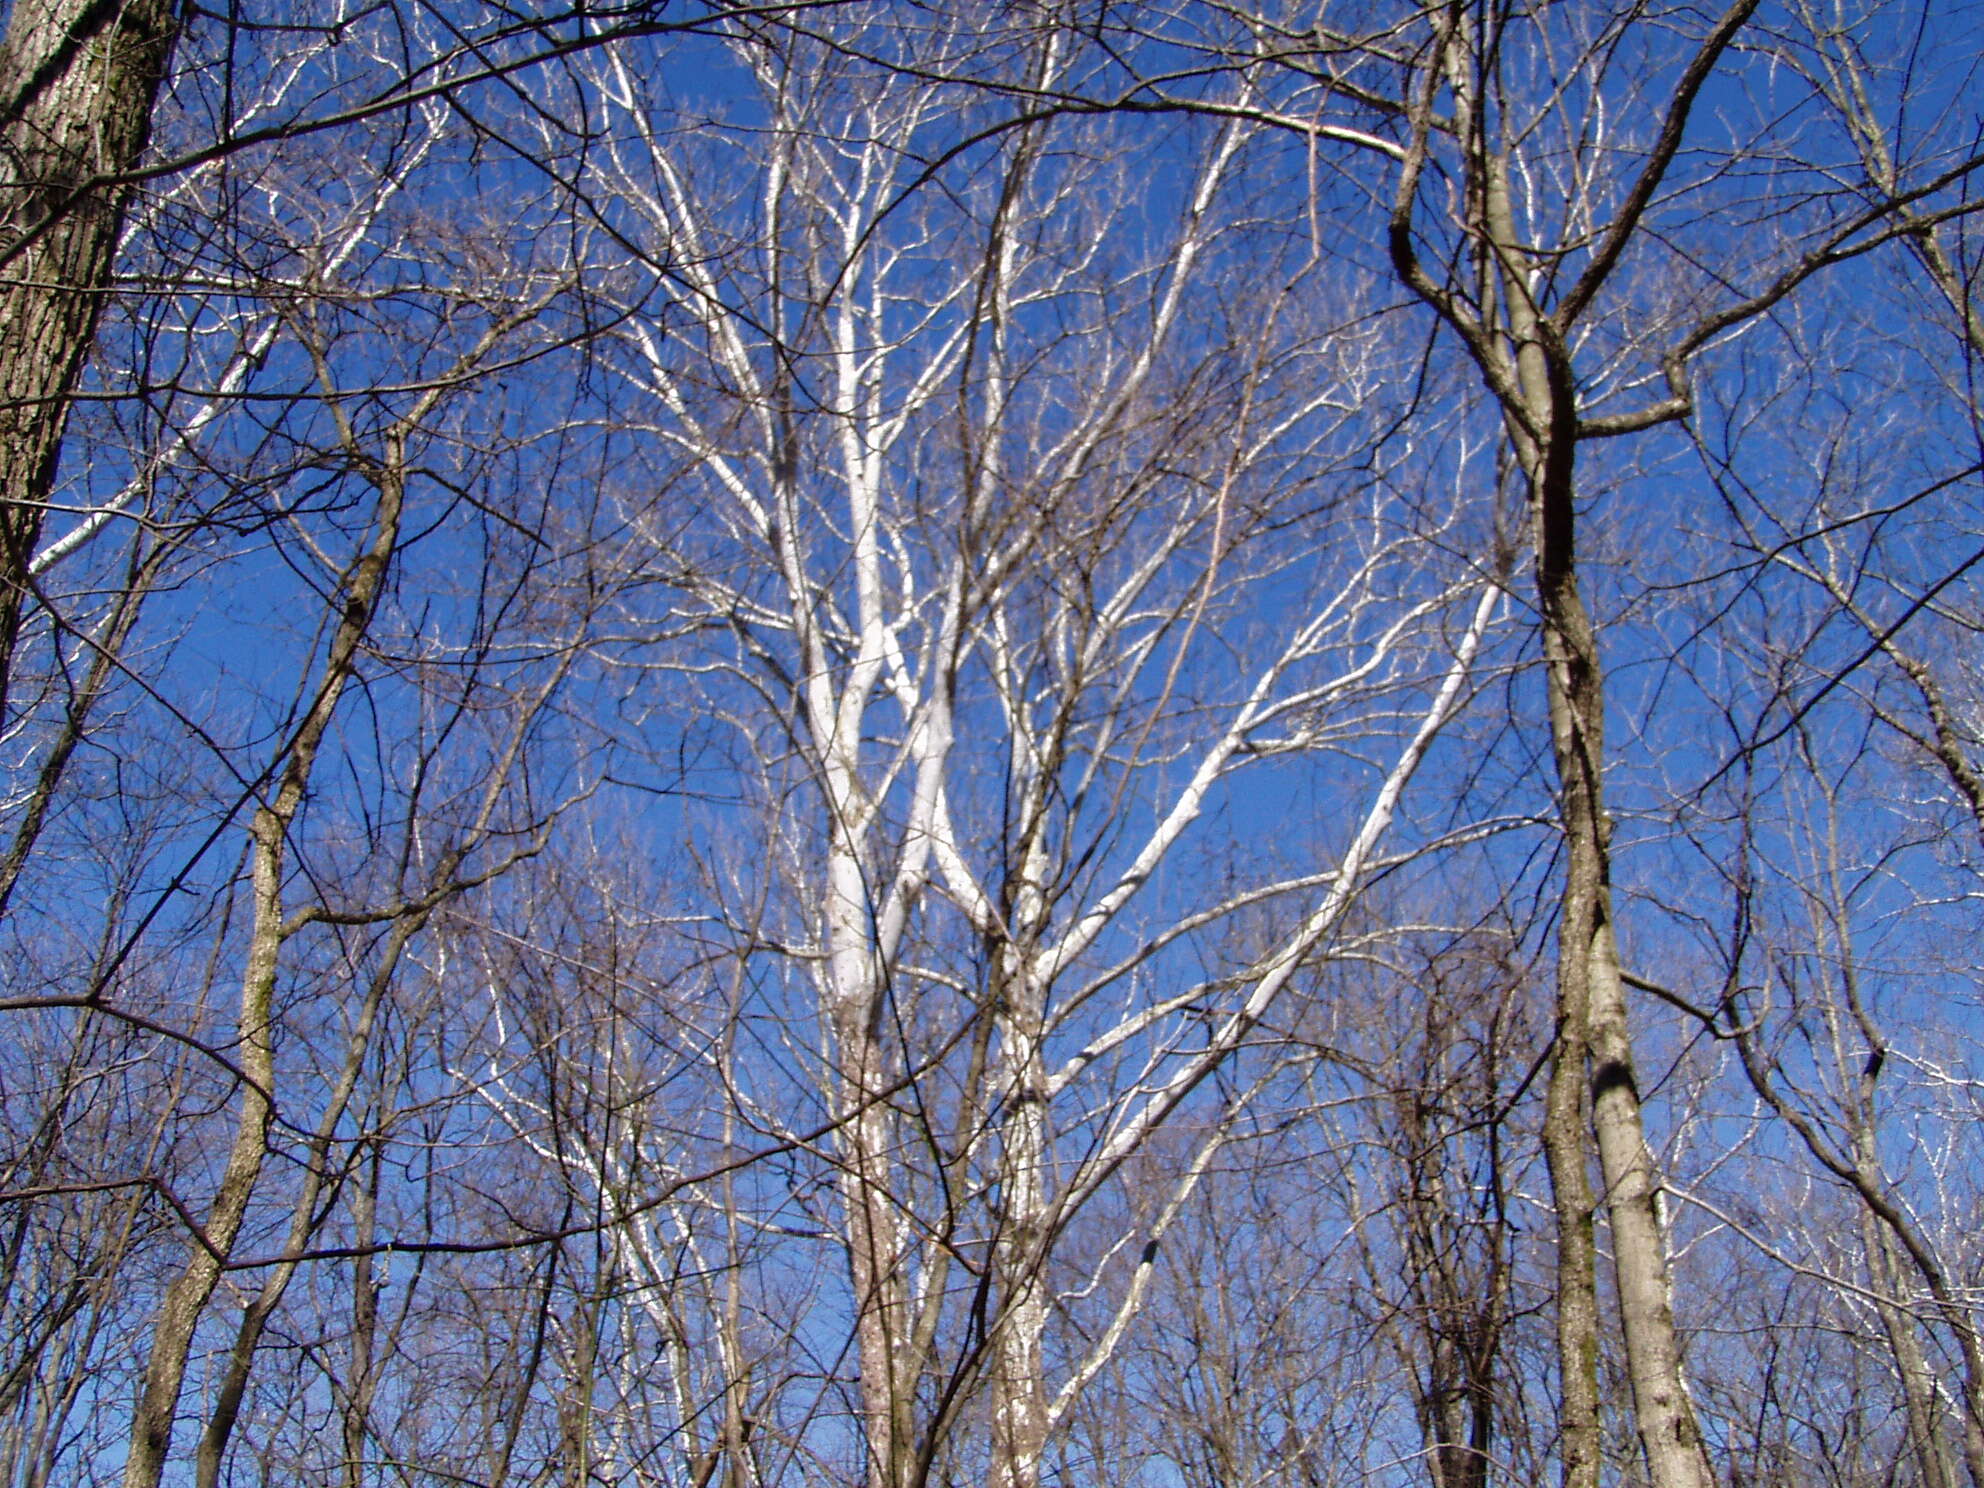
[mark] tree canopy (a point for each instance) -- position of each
(895, 744)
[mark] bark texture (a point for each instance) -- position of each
(1518, 325)
(77, 82)
(1588, 975)
(1591, 1001)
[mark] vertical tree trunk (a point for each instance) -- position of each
(1019, 1395)
(1588, 974)
(1567, 1151)
(1590, 989)
(874, 1251)
(1918, 1389)
(356, 1407)
(77, 83)
(874, 1254)
(1541, 409)
(1515, 303)
(186, 1298)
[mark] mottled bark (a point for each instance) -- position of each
(1589, 986)
(1567, 1149)
(1518, 327)
(1019, 1395)
(77, 83)
(874, 1252)
(1588, 974)
(866, 1143)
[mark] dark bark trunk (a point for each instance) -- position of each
(77, 82)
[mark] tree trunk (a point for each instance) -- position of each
(1588, 974)
(1019, 1395)
(1918, 1389)
(362, 1384)
(77, 81)
(186, 1298)
(874, 1256)
(874, 1250)
(1567, 1150)
(1539, 397)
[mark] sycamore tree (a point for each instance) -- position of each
(1033, 529)
(900, 744)
(1564, 190)
(1594, 206)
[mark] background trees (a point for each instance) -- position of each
(802, 743)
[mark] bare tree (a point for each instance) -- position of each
(989, 483)
(1522, 285)
(769, 744)
(77, 84)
